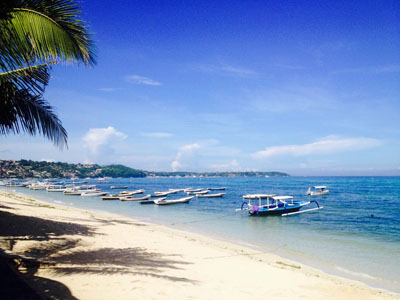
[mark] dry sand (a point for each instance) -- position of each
(70, 253)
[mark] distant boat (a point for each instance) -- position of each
(151, 201)
(266, 205)
(216, 188)
(135, 199)
(112, 197)
(163, 194)
(173, 201)
(318, 190)
(118, 187)
(131, 193)
(93, 194)
(217, 195)
(55, 188)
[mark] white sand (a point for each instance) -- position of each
(123, 258)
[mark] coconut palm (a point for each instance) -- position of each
(34, 35)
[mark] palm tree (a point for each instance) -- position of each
(34, 35)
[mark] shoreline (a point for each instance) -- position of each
(206, 253)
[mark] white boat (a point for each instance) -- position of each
(190, 190)
(151, 201)
(131, 193)
(173, 201)
(201, 192)
(147, 197)
(217, 195)
(318, 190)
(38, 186)
(163, 194)
(55, 188)
(93, 194)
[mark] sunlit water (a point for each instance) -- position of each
(356, 235)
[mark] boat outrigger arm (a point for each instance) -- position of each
(303, 211)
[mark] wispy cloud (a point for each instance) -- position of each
(326, 145)
(96, 138)
(371, 70)
(292, 98)
(156, 134)
(185, 153)
(137, 79)
(226, 70)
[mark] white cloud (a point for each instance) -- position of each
(185, 154)
(136, 79)
(96, 138)
(156, 134)
(326, 145)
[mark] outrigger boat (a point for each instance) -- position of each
(318, 190)
(93, 194)
(135, 199)
(217, 195)
(151, 201)
(266, 205)
(173, 201)
(131, 193)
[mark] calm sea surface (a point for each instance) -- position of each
(356, 235)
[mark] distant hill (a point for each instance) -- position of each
(42, 169)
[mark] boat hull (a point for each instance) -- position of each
(276, 212)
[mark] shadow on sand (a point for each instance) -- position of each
(61, 255)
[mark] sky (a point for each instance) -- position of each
(304, 87)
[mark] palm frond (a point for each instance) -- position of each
(33, 78)
(42, 31)
(21, 111)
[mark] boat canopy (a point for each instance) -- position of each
(278, 198)
(320, 187)
(258, 196)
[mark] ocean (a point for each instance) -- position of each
(356, 235)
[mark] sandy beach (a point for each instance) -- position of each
(67, 253)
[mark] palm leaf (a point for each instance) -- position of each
(23, 112)
(44, 30)
(33, 78)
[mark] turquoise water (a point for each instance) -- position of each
(356, 235)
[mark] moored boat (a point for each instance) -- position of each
(151, 201)
(317, 190)
(216, 188)
(135, 199)
(173, 201)
(93, 194)
(118, 187)
(264, 205)
(216, 195)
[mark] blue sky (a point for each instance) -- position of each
(306, 87)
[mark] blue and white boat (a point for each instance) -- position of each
(267, 205)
